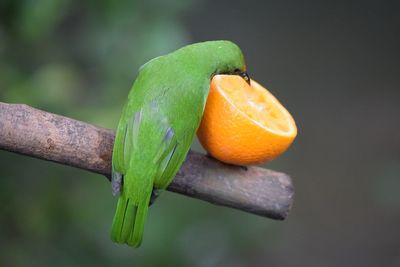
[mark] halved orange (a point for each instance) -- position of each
(244, 124)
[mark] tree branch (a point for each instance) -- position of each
(43, 135)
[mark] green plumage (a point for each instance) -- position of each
(158, 124)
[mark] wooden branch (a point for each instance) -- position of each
(43, 135)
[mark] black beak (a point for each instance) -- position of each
(245, 76)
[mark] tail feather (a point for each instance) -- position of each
(118, 220)
(128, 223)
(124, 219)
(135, 238)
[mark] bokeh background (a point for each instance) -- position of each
(333, 64)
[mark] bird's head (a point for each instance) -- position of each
(230, 59)
(220, 57)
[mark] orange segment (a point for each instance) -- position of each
(244, 124)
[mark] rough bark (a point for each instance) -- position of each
(43, 135)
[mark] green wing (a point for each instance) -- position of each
(153, 138)
(146, 145)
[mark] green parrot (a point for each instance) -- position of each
(158, 124)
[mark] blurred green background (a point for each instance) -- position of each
(334, 65)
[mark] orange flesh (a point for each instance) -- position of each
(244, 124)
(256, 102)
